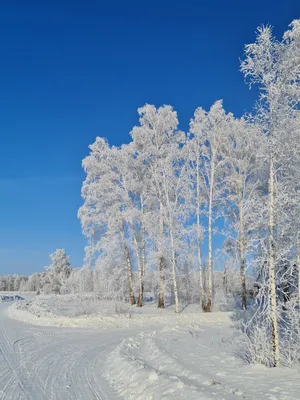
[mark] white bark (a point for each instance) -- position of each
(138, 259)
(272, 288)
(210, 256)
(242, 255)
(143, 247)
(174, 270)
(199, 237)
(298, 267)
(129, 270)
(161, 264)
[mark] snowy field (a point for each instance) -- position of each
(139, 356)
(84, 311)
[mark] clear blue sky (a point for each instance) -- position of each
(70, 71)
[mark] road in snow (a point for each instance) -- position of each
(38, 363)
(187, 362)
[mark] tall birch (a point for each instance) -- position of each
(207, 128)
(275, 66)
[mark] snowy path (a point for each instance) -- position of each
(39, 363)
(191, 362)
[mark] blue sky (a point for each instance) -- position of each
(72, 70)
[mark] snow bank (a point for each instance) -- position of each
(100, 314)
(135, 378)
(193, 364)
(106, 322)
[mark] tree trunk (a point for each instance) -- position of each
(161, 294)
(161, 264)
(272, 288)
(202, 299)
(225, 282)
(129, 270)
(298, 267)
(174, 270)
(210, 260)
(143, 258)
(143, 248)
(286, 294)
(138, 259)
(242, 256)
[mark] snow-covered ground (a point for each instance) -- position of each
(87, 312)
(153, 355)
(192, 364)
(44, 363)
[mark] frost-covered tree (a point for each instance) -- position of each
(210, 131)
(34, 283)
(113, 206)
(13, 282)
(245, 184)
(197, 199)
(158, 142)
(57, 272)
(275, 67)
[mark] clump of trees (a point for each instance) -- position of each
(11, 283)
(57, 273)
(155, 200)
(52, 280)
(149, 204)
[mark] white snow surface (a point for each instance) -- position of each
(86, 312)
(193, 364)
(50, 363)
(146, 354)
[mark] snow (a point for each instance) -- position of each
(44, 363)
(148, 354)
(62, 311)
(190, 364)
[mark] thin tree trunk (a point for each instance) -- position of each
(129, 270)
(225, 282)
(202, 299)
(298, 267)
(143, 248)
(138, 259)
(242, 256)
(174, 270)
(210, 260)
(187, 282)
(161, 264)
(272, 289)
(286, 294)
(161, 294)
(143, 258)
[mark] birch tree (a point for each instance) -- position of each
(209, 130)
(174, 188)
(197, 199)
(106, 211)
(245, 205)
(274, 66)
(157, 142)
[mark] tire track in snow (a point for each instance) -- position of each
(20, 374)
(49, 363)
